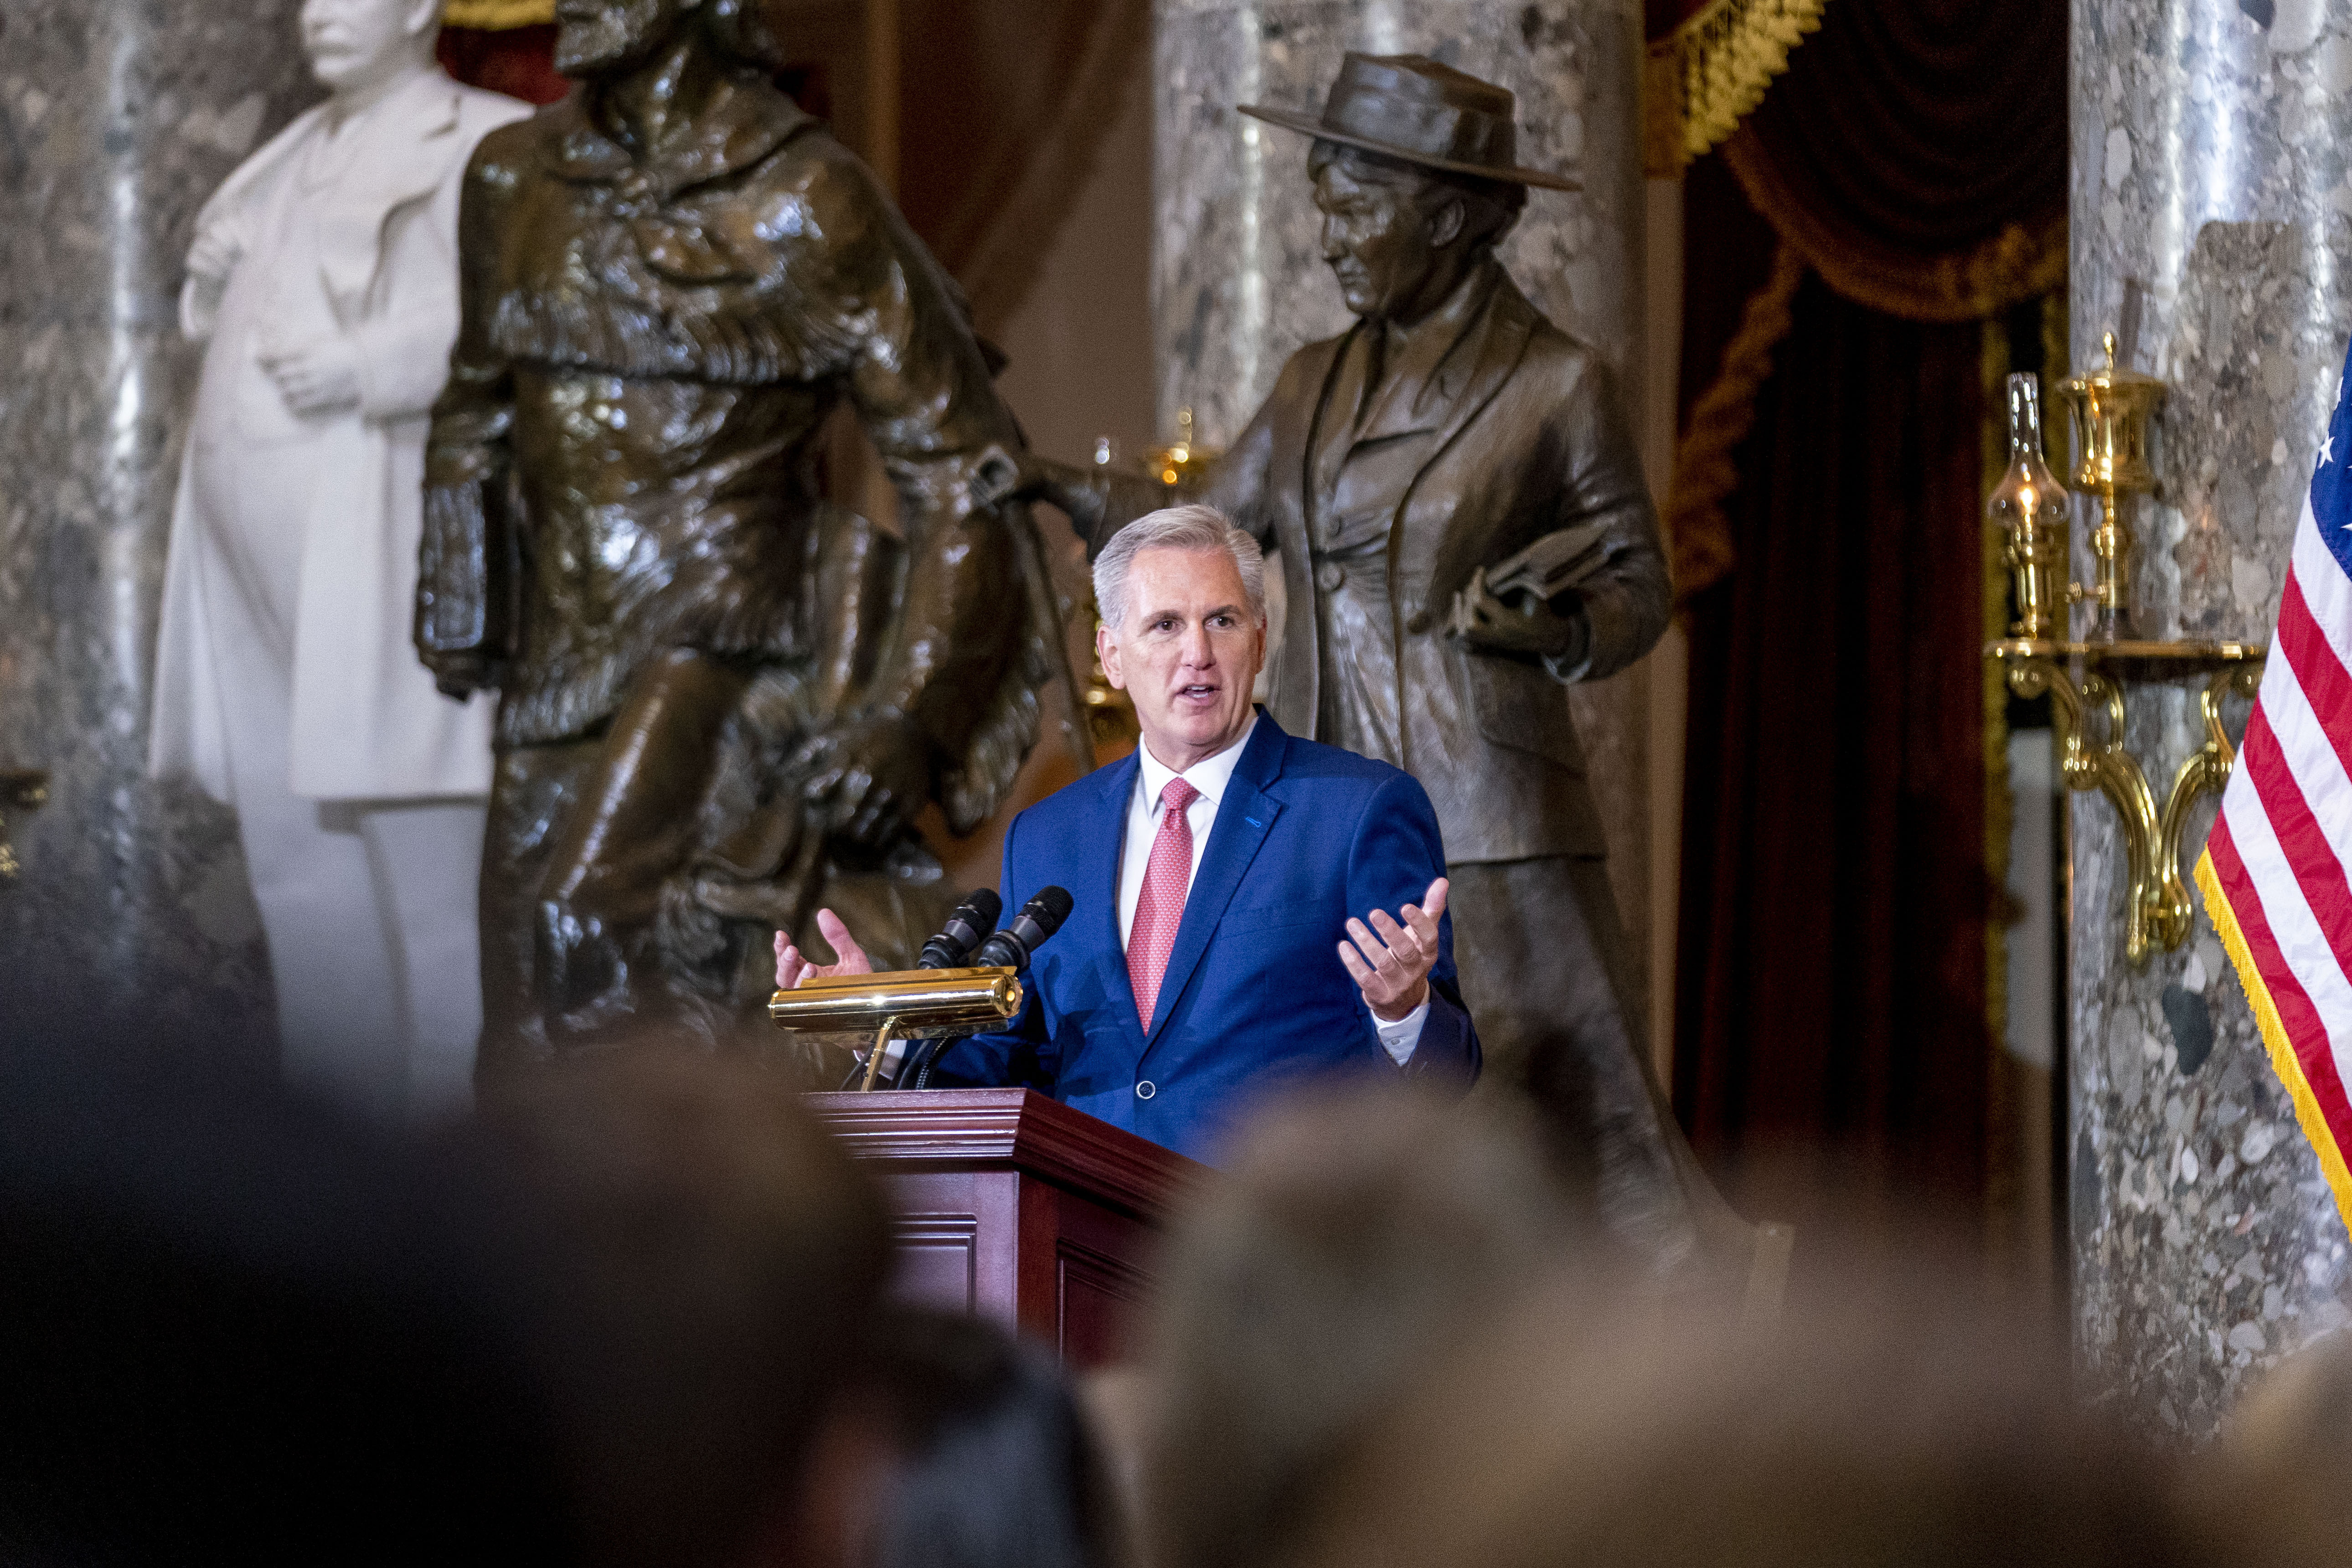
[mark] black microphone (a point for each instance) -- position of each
(972, 919)
(1040, 918)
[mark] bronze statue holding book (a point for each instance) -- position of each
(721, 700)
(1463, 529)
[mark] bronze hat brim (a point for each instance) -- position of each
(1307, 126)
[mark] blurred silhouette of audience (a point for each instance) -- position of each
(1356, 1235)
(994, 1465)
(1897, 1429)
(616, 1321)
(236, 1327)
(707, 1322)
(2281, 1475)
(632, 1313)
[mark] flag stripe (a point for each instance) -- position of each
(2296, 934)
(2306, 1032)
(2318, 869)
(2277, 869)
(2317, 668)
(2308, 1115)
(2327, 591)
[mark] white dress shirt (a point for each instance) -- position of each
(1210, 776)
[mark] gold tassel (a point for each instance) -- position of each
(495, 16)
(1697, 528)
(1705, 75)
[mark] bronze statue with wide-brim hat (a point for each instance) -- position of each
(1417, 109)
(1465, 529)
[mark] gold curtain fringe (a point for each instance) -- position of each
(496, 15)
(1698, 530)
(1703, 76)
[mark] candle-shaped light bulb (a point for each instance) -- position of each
(2030, 509)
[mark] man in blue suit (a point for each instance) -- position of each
(1216, 948)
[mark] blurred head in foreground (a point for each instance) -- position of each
(994, 1465)
(1875, 1437)
(241, 1327)
(1356, 1235)
(705, 1321)
(2282, 1470)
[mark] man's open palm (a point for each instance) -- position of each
(793, 966)
(1391, 962)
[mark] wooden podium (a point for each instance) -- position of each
(1016, 1206)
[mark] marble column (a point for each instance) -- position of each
(117, 118)
(1238, 279)
(2211, 143)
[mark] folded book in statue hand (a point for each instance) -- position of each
(1551, 565)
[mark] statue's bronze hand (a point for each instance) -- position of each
(1033, 478)
(866, 779)
(459, 675)
(1523, 626)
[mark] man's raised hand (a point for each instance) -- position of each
(1391, 962)
(793, 966)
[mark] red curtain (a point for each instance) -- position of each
(1833, 984)
(1916, 153)
(1000, 124)
(1831, 989)
(517, 61)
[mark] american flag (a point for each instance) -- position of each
(2275, 871)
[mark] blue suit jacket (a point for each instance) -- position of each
(1254, 995)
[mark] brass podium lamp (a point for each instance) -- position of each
(900, 1004)
(2111, 410)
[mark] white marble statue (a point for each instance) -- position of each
(324, 273)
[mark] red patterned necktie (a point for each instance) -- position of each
(1161, 909)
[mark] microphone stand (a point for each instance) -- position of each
(915, 1066)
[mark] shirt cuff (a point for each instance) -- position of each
(1400, 1039)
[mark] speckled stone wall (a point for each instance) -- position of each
(117, 118)
(1238, 277)
(2210, 167)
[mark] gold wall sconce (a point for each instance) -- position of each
(2158, 909)
(21, 789)
(2111, 411)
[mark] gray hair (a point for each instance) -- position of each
(1188, 527)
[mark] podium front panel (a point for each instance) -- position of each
(1013, 1206)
